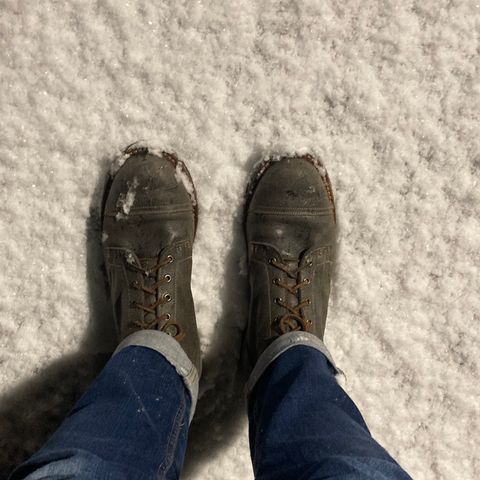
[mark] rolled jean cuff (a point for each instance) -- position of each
(171, 350)
(281, 345)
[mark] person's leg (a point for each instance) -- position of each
(304, 426)
(132, 423)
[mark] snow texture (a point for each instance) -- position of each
(182, 177)
(125, 201)
(386, 93)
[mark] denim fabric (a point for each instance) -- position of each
(279, 346)
(303, 426)
(169, 348)
(132, 423)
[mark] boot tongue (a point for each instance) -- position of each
(294, 261)
(149, 263)
(291, 263)
(141, 262)
(289, 260)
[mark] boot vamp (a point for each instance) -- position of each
(291, 209)
(148, 207)
(291, 235)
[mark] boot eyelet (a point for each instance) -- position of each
(135, 284)
(168, 278)
(167, 297)
(307, 280)
(310, 263)
(272, 260)
(278, 300)
(170, 258)
(275, 281)
(171, 330)
(309, 302)
(167, 317)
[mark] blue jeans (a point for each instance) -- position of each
(133, 423)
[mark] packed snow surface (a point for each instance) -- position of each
(386, 93)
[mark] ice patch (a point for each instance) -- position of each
(126, 200)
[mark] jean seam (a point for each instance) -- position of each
(172, 441)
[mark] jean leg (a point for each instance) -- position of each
(304, 426)
(132, 423)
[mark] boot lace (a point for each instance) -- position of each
(163, 322)
(294, 319)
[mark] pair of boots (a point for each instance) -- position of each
(150, 215)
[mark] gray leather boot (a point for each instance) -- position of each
(290, 229)
(149, 222)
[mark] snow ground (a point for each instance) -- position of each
(386, 92)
